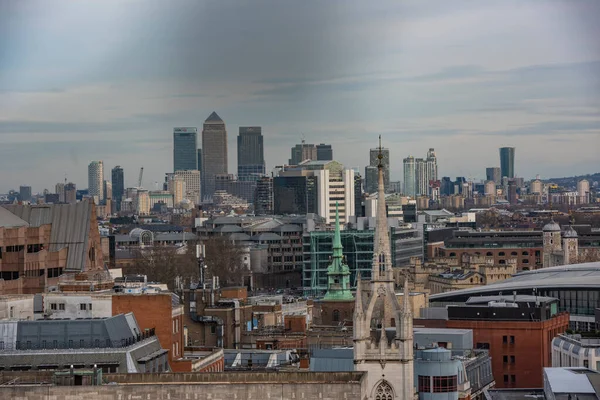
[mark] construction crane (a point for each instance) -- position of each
(140, 179)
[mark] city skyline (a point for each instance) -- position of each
(421, 76)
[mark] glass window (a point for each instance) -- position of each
(424, 384)
(444, 384)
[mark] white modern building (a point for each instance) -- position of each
(335, 185)
(576, 351)
(96, 181)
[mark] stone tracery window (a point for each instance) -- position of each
(381, 264)
(384, 392)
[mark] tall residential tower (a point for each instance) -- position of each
(96, 181)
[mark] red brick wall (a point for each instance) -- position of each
(531, 348)
(154, 311)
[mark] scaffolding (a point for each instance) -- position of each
(358, 251)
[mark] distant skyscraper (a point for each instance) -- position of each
(96, 181)
(185, 145)
(374, 162)
(324, 152)
(493, 174)
(507, 161)
(60, 191)
(512, 191)
(536, 187)
(302, 152)
(410, 176)
(358, 195)
(583, 191)
(371, 173)
(199, 160)
(421, 181)
(432, 167)
(25, 193)
(263, 196)
(107, 190)
(214, 153)
(250, 153)
(70, 193)
(118, 186)
(192, 184)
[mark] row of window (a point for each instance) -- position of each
(437, 384)
(61, 306)
(500, 254)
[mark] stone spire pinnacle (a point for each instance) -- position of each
(382, 260)
(406, 301)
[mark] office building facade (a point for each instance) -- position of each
(250, 153)
(185, 145)
(96, 181)
(324, 152)
(507, 162)
(294, 195)
(214, 153)
(303, 152)
(192, 186)
(385, 162)
(118, 185)
(263, 196)
(25, 193)
(493, 174)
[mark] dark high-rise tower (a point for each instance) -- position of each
(214, 153)
(185, 143)
(507, 162)
(250, 156)
(118, 185)
(385, 163)
(324, 152)
(493, 174)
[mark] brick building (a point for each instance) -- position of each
(38, 243)
(160, 311)
(517, 330)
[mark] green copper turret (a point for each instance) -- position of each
(338, 273)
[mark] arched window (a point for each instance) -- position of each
(489, 254)
(453, 254)
(525, 253)
(501, 254)
(384, 392)
(514, 253)
(336, 315)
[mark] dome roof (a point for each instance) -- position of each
(570, 232)
(551, 227)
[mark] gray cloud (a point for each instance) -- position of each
(456, 76)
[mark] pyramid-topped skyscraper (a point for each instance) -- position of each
(214, 153)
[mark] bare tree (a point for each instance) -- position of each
(224, 259)
(164, 263)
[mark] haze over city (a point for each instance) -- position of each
(82, 81)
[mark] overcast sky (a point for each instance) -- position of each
(108, 80)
